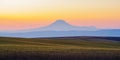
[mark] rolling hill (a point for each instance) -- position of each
(61, 48)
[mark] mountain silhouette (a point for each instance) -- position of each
(61, 25)
(60, 28)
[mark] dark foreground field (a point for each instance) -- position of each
(70, 48)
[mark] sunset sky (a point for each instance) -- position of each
(27, 14)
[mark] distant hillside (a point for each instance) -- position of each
(89, 38)
(109, 33)
(86, 41)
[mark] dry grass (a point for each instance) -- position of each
(57, 49)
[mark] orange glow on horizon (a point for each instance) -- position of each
(27, 14)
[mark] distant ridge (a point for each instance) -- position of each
(41, 34)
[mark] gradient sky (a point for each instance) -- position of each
(26, 14)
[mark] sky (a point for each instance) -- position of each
(28, 14)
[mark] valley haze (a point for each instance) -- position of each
(60, 28)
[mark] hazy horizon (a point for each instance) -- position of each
(28, 14)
